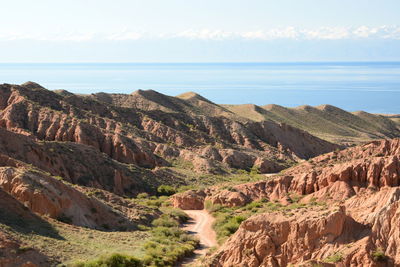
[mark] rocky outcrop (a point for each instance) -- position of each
(284, 239)
(335, 176)
(374, 165)
(275, 189)
(189, 200)
(361, 187)
(74, 163)
(353, 231)
(48, 196)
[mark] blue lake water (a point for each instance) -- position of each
(369, 86)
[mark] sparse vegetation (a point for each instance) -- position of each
(132, 167)
(166, 190)
(379, 255)
(142, 195)
(115, 260)
(229, 178)
(228, 219)
(166, 244)
(326, 122)
(336, 257)
(151, 201)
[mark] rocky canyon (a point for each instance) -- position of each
(85, 178)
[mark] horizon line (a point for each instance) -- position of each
(208, 62)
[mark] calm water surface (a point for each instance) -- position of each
(374, 87)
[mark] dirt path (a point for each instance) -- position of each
(200, 225)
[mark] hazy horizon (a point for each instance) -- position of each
(199, 31)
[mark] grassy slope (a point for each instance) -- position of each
(70, 245)
(327, 122)
(67, 243)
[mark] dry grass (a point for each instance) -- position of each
(72, 243)
(326, 122)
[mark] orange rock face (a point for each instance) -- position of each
(361, 187)
(48, 196)
(275, 240)
(189, 200)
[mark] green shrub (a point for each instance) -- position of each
(252, 205)
(212, 207)
(176, 214)
(165, 221)
(115, 260)
(225, 225)
(231, 227)
(239, 219)
(142, 195)
(231, 189)
(334, 258)
(379, 255)
(294, 198)
(255, 170)
(168, 243)
(166, 190)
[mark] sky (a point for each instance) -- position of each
(199, 31)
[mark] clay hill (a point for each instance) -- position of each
(338, 209)
(326, 121)
(82, 176)
(144, 130)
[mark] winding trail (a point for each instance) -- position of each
(200, 225)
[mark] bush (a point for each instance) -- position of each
(334, 258)
(142, 195)
(255, 170)
(231, 227)
(165, 221)
(115, 260)
(379, 255)
(168, 243)
(212, 207)
(166, 190)
(176, 214)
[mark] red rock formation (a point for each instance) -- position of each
(363, 180)
(189, 200)
(74, 163)
(48, 196)
(284, 240)
(134, 137)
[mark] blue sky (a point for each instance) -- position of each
(194, 30)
